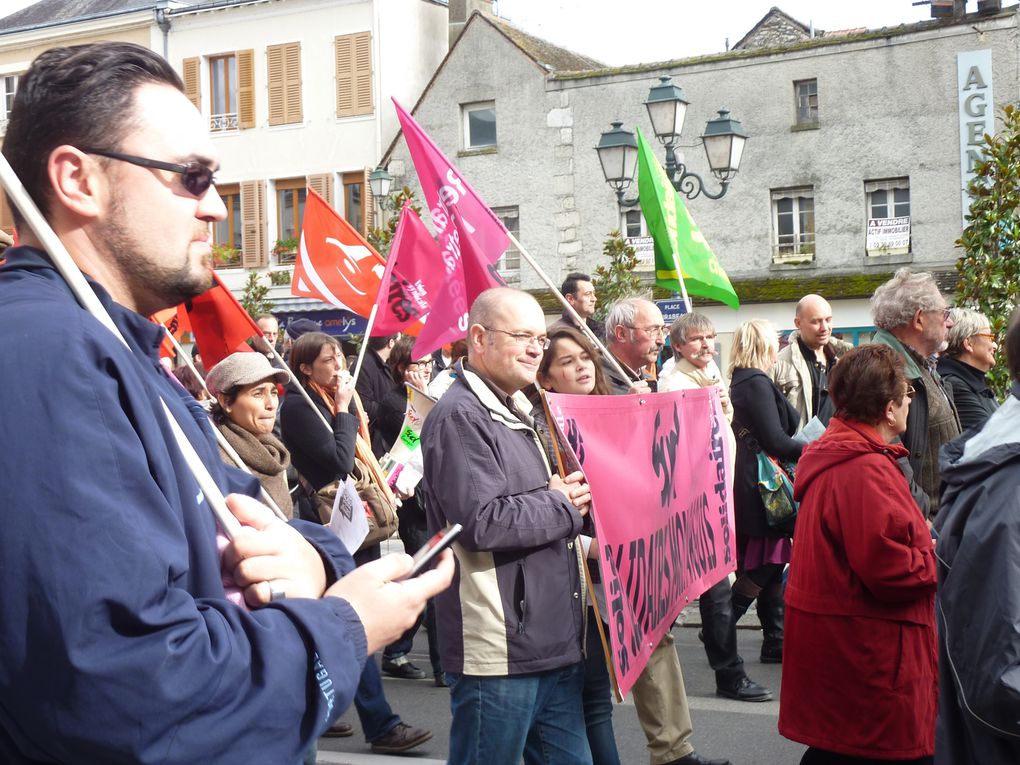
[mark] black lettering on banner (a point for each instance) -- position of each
(400, 305)
(575, 439)
(664, 456)
(719, 488)
(172, 326)
(495, 275)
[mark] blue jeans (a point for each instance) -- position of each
(499, 720)
(597, 700)
(377, 718)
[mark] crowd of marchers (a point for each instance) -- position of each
(134, 630)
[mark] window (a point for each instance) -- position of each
(509, 263)
(806, 97)
(479, 125)
(290, 210)
(888, 216)
(354, 202)
(793, 224)
(232, 89)
(227, 232)
(353, 74)
(283, 63)
(8, 84)
(223, 79)
(632, 223)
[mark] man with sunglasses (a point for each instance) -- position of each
(913, 319)
(120, 641)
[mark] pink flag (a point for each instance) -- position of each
(412, 280)
(661, 485)
(471, 238)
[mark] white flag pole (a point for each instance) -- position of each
(220, 439)
(88, 300)
(570, 309)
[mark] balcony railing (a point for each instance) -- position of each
(223, 122)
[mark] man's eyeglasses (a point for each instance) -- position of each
(522, 339)
(421, 364)
(195, 177)
(945, 312)
(657, 330)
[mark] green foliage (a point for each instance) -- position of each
(990, 265)
(286, 246)
(279, 278)
(225, 256)
(380, 238)
(618, 279)
(254, 298)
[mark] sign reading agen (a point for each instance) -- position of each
(977, 113)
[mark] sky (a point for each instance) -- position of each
(641, 31)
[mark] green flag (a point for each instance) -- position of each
(677, 237)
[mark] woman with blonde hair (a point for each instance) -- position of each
(763, 420)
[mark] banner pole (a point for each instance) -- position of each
(570, 310)
(384, 287)
(680, 278)
(87, 299)
(364, 341)
(220, 439)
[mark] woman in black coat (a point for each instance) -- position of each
(762, 420)
(968, 357)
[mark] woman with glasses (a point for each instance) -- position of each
(964, 365)
(763, 420)
(860, 672)
(413, 527)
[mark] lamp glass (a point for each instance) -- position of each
(667, 118)
(379, 180)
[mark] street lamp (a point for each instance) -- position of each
(618, 154)
(723, 140)
(379, 181)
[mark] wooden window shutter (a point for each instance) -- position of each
(284, 70)
(191, 82)
(253, 225)
(6, 217)
(354, 74)
(245, 89)
(323, 186)
(368, 203)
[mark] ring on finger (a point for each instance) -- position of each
(276, 590)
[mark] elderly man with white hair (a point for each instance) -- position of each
(913, 318)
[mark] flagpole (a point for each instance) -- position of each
(220, 439)
(300, 387)
(680, 278)
(364, 341)
(87, 298)
(585, 329)
(384, 288)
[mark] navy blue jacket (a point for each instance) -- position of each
(117, 643)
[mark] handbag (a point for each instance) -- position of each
(382, 516)
(775, 485)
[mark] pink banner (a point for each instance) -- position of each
(471, 238)
(661, 483)
(411, 277)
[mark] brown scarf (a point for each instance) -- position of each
(326, 394)
(266, 457)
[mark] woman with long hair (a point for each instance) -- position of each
(860, 671)
(763, 420)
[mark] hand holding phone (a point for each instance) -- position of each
(428, 551)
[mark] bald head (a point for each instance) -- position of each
(814, 321)
(506, 335)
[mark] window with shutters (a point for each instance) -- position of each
(223, 87)
(254, 253)
(509, 263)
(283, 64)
(191, 76)
(323, 186)
(354, 200)
(290, 210)
(227, 232)
(354, 74)
(8, 85)
(793, 225)
(479, 124)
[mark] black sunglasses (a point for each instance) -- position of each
(195, 177)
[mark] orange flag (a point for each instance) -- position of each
(220, 324)
(335, 264)
(176, 323)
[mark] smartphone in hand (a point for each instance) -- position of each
(428, 551)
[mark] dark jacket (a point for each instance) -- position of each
(319, 455)
(374, 383)
(118, 641)
(596, 326)
(515, 603)
(973, 399)
(759, 406)
(860, 604)
(979, 611)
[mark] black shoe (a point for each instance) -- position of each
(400, 739)
(745, 690)
(439, 678)
(402, 668)
(772, 653)
(696, 759)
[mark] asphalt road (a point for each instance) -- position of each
(743, 732)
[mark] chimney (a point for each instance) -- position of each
(989, 7)
(460, 13)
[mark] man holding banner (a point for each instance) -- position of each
(120, 641)
(510, 630)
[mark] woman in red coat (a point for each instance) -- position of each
(859, 670)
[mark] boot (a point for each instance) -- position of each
(744, 593)
(771, 612)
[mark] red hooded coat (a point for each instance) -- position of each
(859, 657)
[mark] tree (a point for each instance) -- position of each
(617, 280)
(254, 299)
(380, 238)
(990, 265)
